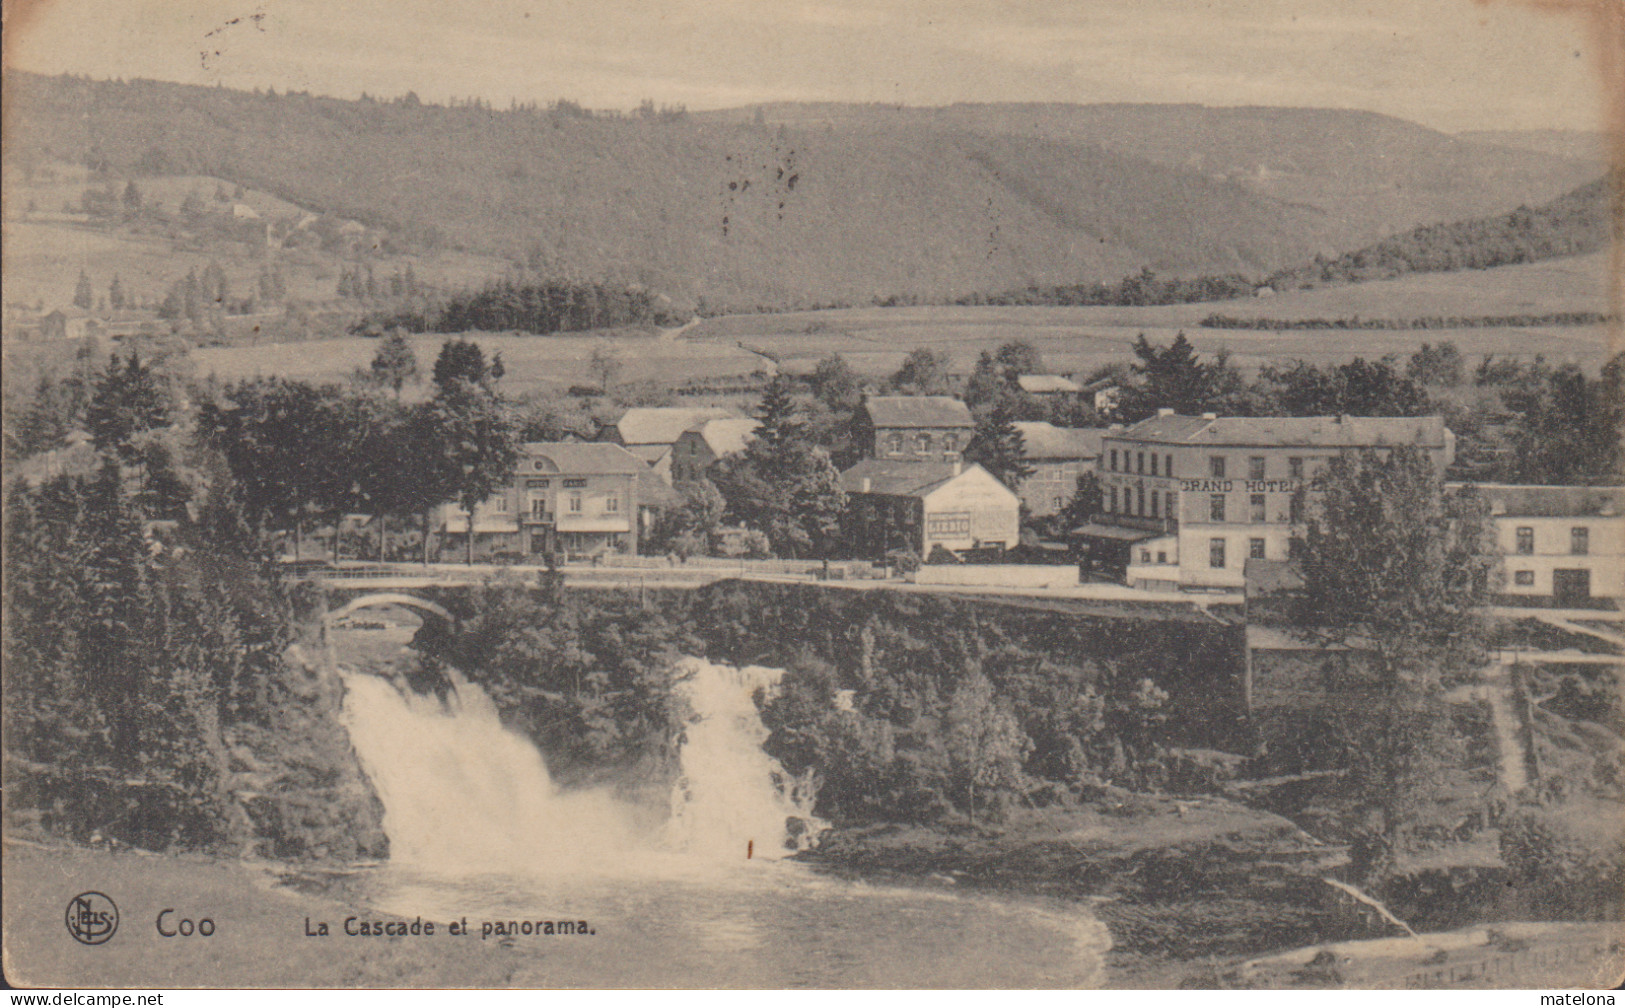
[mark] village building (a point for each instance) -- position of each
(919, 506)
(1059, 457)
(1563, 544)
(701, 446)
(67, 323)
(578, 498)
(1046, 385)
(1188, 501)
(651, 432)
(912, 428)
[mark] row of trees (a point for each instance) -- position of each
(299, 451)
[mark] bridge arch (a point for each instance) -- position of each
(390, 598)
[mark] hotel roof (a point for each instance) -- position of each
(1330, 431)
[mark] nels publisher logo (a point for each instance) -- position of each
(92, 918)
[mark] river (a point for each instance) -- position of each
(701, 894)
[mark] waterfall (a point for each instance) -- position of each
(463, 794)
(733, 800)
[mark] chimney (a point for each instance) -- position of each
(1342, 418)
(1165, 411)
(1210, 416)
(957, 466)
(867, 483)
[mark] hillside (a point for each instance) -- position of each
(1588, 145)
(1371, 173)
(932, 204)
(1576, 223)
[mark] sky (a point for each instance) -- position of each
(1450, 64)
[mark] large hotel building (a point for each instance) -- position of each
(1187, 501)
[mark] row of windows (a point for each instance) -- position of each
(1579, 540)
(573, 503)
(1136, 501)
(1136, 462)
(1216, 551)
(922, 442)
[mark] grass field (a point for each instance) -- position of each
(875, 340)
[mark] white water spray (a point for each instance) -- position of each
(732, 799)
(462, 794)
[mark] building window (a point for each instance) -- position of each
(1111, 499)
(1526, 540)
(1058, 502)
(1215, 466)
(1255, 549)
(1139, 462)
(575, 503)
(1525, 578)
(950, 442)
(1579, 541)
(1255, 467)
(612, 504)
(894, 443)
(1173, 510)
(1255, 508)
(575, 483)
(1294, 467)
(1153, 501)
(1294, 548)
(1145, 556)
(1162, 556)
(922, 443)
(1113, 465)
(1215, 507)
(1153, 463)
(539, 465)
(1140, 494)
(1295, 509)
(1215, 553)
(1167, 465)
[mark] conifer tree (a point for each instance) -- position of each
(83, 297)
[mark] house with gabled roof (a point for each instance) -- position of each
(650, 432)
(578, 498)
(904, 504)
(703, 445)
(1059, 457)
(932, 428)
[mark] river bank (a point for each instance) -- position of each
(1209, 893)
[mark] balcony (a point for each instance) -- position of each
(538, 518)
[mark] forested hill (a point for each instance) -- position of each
(1577, 222)
(745, 211)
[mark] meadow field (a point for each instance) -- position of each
(1072, 339)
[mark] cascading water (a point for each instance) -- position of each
(732, 799)
(461, 792)
(479, 832)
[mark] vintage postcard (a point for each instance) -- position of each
(839, 494)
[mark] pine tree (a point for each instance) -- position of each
(129, 399)
(83, 296)
(115, 294)
(395, 364)
(997, 446)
